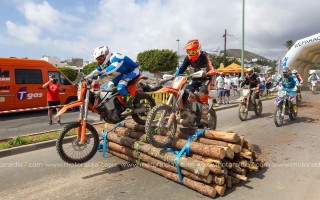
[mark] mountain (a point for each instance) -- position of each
(236, 53)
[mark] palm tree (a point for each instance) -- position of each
(289, 44)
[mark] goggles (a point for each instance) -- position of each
(192, 52)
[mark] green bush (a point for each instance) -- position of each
(19, 140)
(69, 72)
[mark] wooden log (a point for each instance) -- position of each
(152, 161)
(219, 189)
(218, 180)
(241, 140)
(214, 168)
(195, 166)
(217, 135)
(246, 154)
(247, 145)
(195, 147)
(235, 147)
(199, 187)
(235, 175)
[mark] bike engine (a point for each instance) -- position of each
(112, 111)
(187, 119)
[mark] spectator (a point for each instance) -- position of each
(235, 84)
(262, 84)
(53, 97)
(219, 85)
(227, 88)
(269, 82)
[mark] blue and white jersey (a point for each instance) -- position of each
(118, 63)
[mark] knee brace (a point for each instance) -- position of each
(122, 89)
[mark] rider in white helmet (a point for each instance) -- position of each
(110, 63)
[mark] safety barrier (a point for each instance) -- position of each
(29, 109)
(159, 98)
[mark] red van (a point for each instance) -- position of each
(21, 83)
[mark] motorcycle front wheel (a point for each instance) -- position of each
(69, 147)
(243, 112)
(158, 134)
(142, 100)
(258, 107)
(277, 117)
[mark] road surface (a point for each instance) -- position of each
(291, 152)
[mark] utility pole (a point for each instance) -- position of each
(225, 47)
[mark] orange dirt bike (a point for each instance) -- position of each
(163, 119)
(78, 141)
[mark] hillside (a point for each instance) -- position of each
(236, 53)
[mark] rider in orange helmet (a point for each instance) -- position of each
(199, 60)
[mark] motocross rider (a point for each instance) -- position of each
(299, 79)
(199, 60)
(289, 84)
(313, 77)
(252, 79)
(115, 62)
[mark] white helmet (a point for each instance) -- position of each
(102, 51)
(294, 71)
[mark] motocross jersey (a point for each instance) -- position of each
(202, 63)
(253, 80)
(118, 63)
(287, 83)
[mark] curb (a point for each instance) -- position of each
(27, 148)
(50, 143)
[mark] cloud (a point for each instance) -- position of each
(28, 34)
(133, 26)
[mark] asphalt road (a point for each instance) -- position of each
(24, 123)
(291, 153)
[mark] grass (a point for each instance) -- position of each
(31, 139)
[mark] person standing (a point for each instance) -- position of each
(53, 97)
(235, 84)
(227, 88)
(219, 85)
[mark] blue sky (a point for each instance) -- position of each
(73, 28)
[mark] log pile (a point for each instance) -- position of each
(217, 160)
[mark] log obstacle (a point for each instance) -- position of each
(217, 160)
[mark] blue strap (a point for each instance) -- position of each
(104, 139)
(186, 151)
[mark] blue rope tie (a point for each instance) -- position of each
(185, 151)
(104, 139)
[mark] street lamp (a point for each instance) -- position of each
(178, 46)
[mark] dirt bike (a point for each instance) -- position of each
(284, 107)
(313, 86)
(78, 141)
(163, 119)
(249, 103)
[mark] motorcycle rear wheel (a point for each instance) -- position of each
(140, 100)
(243, 115)
(69, 147)
(278, 119)
(161, 136)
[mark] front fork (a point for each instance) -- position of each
(83, 118)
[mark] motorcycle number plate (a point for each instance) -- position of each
(278, 100)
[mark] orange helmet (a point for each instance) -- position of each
(193, 48)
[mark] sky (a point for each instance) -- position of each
(73, 28)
